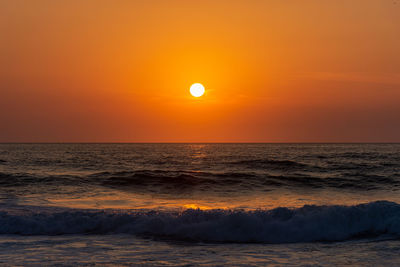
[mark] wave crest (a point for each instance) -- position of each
(280, 225)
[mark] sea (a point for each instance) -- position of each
(199, 204)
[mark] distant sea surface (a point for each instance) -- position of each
(199, 204)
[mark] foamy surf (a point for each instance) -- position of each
(280, 225)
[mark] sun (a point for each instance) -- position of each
(197, 89)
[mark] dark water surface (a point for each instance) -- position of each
(268, 203)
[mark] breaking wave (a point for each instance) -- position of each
(281, 225)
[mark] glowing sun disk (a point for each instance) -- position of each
(197, 89)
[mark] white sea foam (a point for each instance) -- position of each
(281, 225)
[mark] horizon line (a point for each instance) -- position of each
(352, 142)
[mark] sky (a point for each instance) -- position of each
(274, 71)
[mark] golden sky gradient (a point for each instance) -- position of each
(274, 71)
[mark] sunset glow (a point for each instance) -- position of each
(279, 71)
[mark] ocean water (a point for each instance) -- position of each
(200, 204)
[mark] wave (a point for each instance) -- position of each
(178, 179)
(154, 181)
(26, 179)
(175, 181)
(151, 178)
(361, 182)
(281, 225)
(271, 164)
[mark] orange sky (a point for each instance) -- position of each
(274, 71)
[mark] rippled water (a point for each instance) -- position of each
(210, 196)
